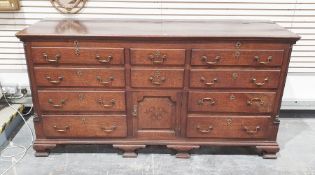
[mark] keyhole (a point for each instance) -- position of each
(83, 120)
(79, 73)
(235, 76)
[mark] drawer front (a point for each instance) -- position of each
(64, 126)
(157, 56)
(213, 57)
(86, 77)
(247, 102)
(218, 78)
(50, 100)
(82, 56)
(228, 126)
(157, 78)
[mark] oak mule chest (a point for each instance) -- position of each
(132, 83)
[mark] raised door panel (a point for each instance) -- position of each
(155, 114)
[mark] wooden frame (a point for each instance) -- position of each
(9, 5)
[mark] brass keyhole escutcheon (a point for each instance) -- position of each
(79, 73)
(234, 76)
(237, 54)
(228, 122)
(238, 44)
(232, 97)
(83, 120)
(81, 97)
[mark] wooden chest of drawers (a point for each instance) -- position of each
(183, 84)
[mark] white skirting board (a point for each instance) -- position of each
(299, 91)
(298, 105)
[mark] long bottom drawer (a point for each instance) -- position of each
(85, 126)
(229, 126)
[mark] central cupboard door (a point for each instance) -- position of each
(156, 115)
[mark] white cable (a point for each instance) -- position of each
(15, 146)
(16, 97)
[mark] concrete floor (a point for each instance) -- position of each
(297, 156)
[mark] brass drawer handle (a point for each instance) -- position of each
(209, 129)
(211, 83)
(205, 60)
(251, 132)
(60, 78)
(56, 60)
(110, 104)
(157, 79)
(109, 129)
(65, 129)
(60, 105)
(206, 99)
(254, 80)
(255, 100)
(105, 82)
(157, 57)
(157, 82)
(257, 59)
(108, 59)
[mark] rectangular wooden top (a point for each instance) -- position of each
(203, 29)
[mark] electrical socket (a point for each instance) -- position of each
(17, 90)
(10, 90)
(24, 91)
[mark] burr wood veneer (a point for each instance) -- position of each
(183, 84)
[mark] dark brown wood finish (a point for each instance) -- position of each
(64, 55)
(54, 100)
(245, 102)
(80, 77)
(156, 115)
(183, 84)
(157, 56)
(236, 56)
(234, 78)
(84, 126)
(237, 127)
(157, 78)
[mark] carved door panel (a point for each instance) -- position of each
(156, 115)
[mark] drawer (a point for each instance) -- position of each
(236, 78)
(245, 102)
(229, 126)
(63, 126)
(140, 56)
(54, 100)
(84, 77)
(230, 57)
(157, 78)
(64, 55)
